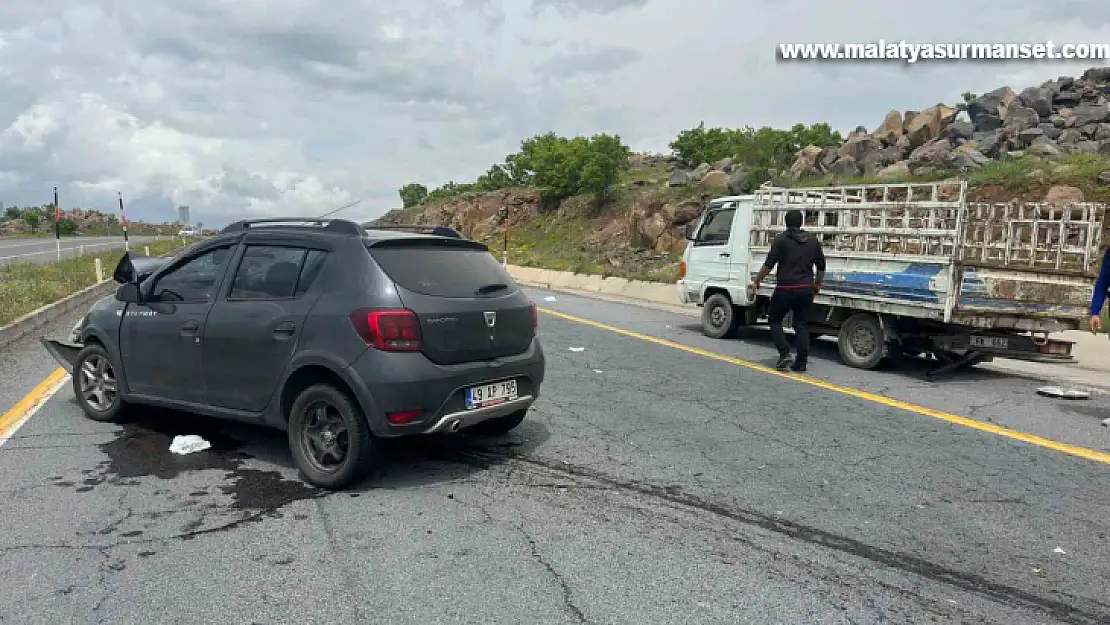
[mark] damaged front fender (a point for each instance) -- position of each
(63, 352)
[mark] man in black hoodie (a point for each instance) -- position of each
(797, 253)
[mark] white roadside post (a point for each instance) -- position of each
(99, 270)
(146, 250)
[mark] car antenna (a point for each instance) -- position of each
(344, 207)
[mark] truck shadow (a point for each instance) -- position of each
(824, 349)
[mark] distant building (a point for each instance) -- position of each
(183, 215)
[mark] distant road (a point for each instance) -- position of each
(42, 251)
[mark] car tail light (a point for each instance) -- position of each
(535, 319)
(402, 417)
(390, 330)
(681, 269)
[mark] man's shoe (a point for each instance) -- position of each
(799, 367)
(784, 362)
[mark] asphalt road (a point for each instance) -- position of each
(650, 485)
(43, 251)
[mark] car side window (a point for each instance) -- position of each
(313, 263)
(717, 226)
(194, 281)
(267, 272)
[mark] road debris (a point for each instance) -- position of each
(1059, 550)
(549, 298)
(1063, 393)
(188, 443)
(578, 349)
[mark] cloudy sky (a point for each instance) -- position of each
(261, 107)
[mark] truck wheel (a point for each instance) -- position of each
(861, 342)
(96, 386)
(501, 425)
(329, 439)
(718, 318)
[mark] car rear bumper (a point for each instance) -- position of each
(400, 382)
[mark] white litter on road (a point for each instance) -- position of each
(1063, 393)
(549, 298)
(189, 443)
(598, 371)
(578, 349)
(1059, 550)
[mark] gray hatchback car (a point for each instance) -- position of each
(341, 335)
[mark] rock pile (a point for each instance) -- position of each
(1063, 116)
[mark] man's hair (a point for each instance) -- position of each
(794, 219)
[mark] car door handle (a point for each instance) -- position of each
(190, 328)
(725, 254)
(284, 330)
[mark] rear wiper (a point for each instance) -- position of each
(490, 288)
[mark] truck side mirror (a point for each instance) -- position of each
(691, 230)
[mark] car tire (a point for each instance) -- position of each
(332, 449)
(96, 385)
(719, 318)
(861, 342)
(501, 425)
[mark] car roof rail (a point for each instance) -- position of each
(340, 226)
(440, 231)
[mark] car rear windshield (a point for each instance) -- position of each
(444, 271)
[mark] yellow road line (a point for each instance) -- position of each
(1075, 450)
(14, 417)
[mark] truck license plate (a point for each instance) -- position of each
(996, 342)
(491, 394)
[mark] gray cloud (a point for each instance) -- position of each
(576, 7)
(239, 109)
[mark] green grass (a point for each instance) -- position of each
(25, 287)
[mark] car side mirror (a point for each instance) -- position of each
(691, 231)
(129, 293)
(125, 270)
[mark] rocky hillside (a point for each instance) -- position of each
(1048, 142)
(1062, 116)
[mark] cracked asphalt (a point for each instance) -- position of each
(649, 485)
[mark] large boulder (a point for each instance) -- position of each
(928, 124)
(1097, 75)
(897, 171)
(891, 128)
(1044, 147)
(715, 179)
(959, 130)
(1084, 114)
(700, 171)
(1020, 117)
(678, 178)
(845, 167)
(859, 147)
(930, 157)
(1038, 99)
(988, 109)
(988, 143)
(725, 165)
(965, 157)
(805, 163)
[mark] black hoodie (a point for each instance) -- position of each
(796, 252)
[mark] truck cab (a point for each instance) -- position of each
(716, 256)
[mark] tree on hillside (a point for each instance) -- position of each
(495, 178)
(13, 212)
(413, 194)
(67, 226)
(561, 167)
(604, 159)
(757, 150)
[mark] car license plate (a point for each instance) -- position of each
(491, 394)
(996, 342)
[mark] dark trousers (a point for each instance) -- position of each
(798, 301)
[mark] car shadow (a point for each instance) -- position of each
(143, 449)
(824, 349)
